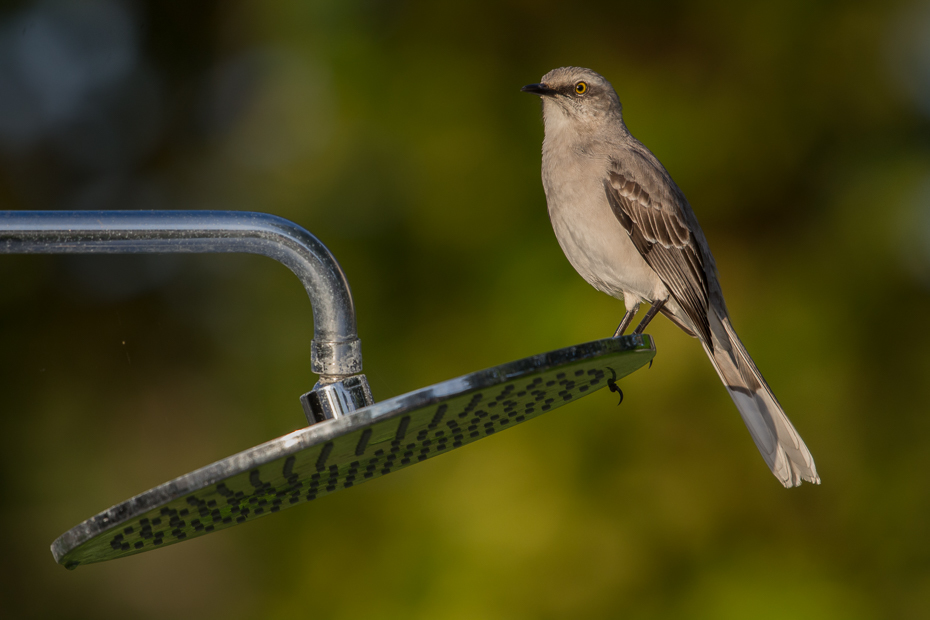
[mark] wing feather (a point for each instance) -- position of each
(665, 242)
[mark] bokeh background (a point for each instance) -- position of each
(395, 131)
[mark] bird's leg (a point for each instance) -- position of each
(653, 310)
(627, 319)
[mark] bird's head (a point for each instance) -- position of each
(577, 96)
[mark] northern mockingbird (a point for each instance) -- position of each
(628, 230)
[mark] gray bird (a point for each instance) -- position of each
(628, 230)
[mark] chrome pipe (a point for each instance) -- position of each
(335, 350)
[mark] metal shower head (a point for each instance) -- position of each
(338, 454)
(351, 439)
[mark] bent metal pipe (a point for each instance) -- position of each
(335, 350)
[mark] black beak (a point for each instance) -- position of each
(539, 89)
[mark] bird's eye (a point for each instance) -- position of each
(581, 88)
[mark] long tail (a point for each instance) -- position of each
(780, 445)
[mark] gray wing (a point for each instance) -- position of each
(660, 233)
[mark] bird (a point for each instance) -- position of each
(628, 230)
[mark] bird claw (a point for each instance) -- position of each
(614, 388)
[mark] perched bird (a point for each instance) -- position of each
(628, 230)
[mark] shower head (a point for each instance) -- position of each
(346, 451)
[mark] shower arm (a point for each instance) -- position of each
(335, 351)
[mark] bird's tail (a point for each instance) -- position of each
(780, 445)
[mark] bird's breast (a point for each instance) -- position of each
(589, 233)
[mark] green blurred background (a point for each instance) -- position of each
(396, 132)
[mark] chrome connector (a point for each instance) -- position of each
(328, 401)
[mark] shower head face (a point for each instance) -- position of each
(338, 454)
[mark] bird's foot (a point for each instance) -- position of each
(615, 388)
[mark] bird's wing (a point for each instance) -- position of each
(661, 234)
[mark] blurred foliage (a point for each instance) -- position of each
(396, 132)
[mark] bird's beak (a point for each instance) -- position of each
(539, 89)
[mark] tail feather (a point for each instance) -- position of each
(780, 444)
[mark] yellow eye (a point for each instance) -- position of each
(581, 88)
